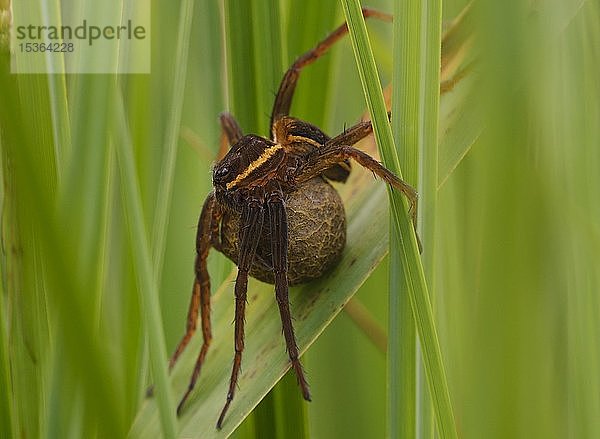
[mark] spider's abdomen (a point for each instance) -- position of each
(316, 229)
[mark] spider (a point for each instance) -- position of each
(268, 195)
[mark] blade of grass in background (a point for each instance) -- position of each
(28, 319)
(430, 89)
(6, 415)
(506, 319)
(291, 409)
(43, 235)
(167, 170)
(406, 107)
(577, 146)
(514, 248)
(57, 88)
(165, 185)
(6, 411)
(267, 62)
(242, 75)
(147, 285)
(84, 188)
(307, 23)
(416, 287)
(461, 114)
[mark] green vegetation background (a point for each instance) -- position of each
(514, 241)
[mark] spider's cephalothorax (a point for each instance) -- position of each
(274, 213)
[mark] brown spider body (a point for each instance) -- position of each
(315, 213)
(275, 215)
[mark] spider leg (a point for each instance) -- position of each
(250, 228)
(231, 133)
(300, 138)
(339, 149)
(449, 84)
(215, 234)
(200, 300)
(283, 101)
(279, 248)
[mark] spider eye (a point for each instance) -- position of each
(221, 174)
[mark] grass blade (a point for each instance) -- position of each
(165, 186)
(6, 412)
(240, 55)
(431, 59)
(267, 62)
(307, 22)
(406, 107)
(85, 356)
(413, 271)
(147, 286)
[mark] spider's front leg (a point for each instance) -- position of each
(209, 219)
(279, 249)
(283, 100)
(339, 148)
(250, 228)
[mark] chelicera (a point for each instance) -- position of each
(274, 214)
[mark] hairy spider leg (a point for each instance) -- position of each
(283, 101)
(339, 148)
(207, 236)
(300, 138)
(231, 133)
(449, 84)
(279, 249)
(200, 300)
(250, 228)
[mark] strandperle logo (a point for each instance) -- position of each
(80, 36)
(84, 31)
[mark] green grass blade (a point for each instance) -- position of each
(171, 140)
(6, 412)
(431, 51)
(461, 110)
(46, 238)
(267, 62)
(242, 79)
(461, 125)
(406, 106)
(291, 410)
(413, 271)
(401, 374)
(27, 337)
(308, 22)
(263, 417)
(165, 186)
(431, 59)
(583, 240)
(147, 287)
